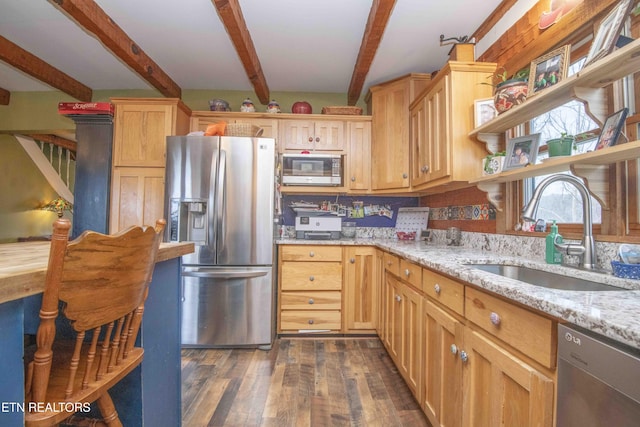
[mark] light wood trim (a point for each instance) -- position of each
(231, 16)
(24, 61)
(88, 15)
(55, 140)
(376, 24)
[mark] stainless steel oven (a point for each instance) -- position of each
(598, 381)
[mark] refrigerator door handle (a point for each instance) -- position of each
(222, 201)
(226, 274)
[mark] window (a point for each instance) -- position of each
(561, 201)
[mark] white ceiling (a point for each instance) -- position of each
(302, 45)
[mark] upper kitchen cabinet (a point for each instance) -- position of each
(141, 126)
(358, 175)
(389, 106)
(310, 135)
(442, 152)
(267, 122)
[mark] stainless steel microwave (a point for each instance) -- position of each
(312, 169)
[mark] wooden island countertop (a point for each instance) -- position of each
(23, 266)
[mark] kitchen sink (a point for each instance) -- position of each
(544, 278)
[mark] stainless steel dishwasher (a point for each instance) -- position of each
(598, 381)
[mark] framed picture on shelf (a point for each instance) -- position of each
(521, 151)
(548, 70)
(484, 110)
(611, 129)
(605, 39)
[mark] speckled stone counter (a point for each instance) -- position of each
(615, 314)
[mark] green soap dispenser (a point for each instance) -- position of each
(553, 255)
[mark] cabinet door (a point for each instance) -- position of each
(381, 295)
(502, 390)
(390, 137)
(297, 134)
(437, 138)
(358, 175)
(443, 337)
(140, 133)
(419, 148)
(360, 284)
(394, 318)
(411, 331)
(329, 135)
(137, 197)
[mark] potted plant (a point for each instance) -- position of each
(561, 146)
(509, 91)
(493, 163)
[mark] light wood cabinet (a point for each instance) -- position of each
(403, 336)
(321, 135)
(442, 396)
(360, 289)
(441, 119)
(501, 389)
(137, 196)
(141, 126)
(310, 281)
(358, 167)
(390, 130)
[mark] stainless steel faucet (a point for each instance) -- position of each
(586, 250)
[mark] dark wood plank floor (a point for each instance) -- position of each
(299, 382)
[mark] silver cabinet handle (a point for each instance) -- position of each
(312, 254)
(398, 298)
(310, 139)
(454, 349)
(464, 356)
(404, 176)
(495, 318)
(436, 288)
(353, 179)
(352, 260)
(317, 139)
(424, 169)
(407, 272)
(311, 321)
(311, 278)
(311, 301)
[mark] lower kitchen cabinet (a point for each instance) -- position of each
(310, 289)
(442, 396)
(360, 289)
(403, 306)
(502, 390)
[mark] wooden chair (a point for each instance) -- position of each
(101, 282)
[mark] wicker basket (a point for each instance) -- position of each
(242, 129)
(355, 111)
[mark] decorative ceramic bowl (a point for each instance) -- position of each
(219, 105)
(510, 93)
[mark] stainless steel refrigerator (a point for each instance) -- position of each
(220, 195)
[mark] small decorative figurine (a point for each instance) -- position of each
(273, 107)
(247, 106)
(219, 105)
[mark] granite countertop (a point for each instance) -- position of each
(615, 314)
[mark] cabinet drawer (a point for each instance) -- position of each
(301, 276)
(323, 300)
(310, 320)
(391, 264)
(311, 253)
(530, 333)
(411, 273)
(446, 291)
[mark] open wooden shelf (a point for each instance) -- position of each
(587, 85)
(592, 166)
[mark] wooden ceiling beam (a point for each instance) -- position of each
(5, 96)
(55, 140)
(94, 20)
(376, 23)
(231, 16)
(30, 64)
